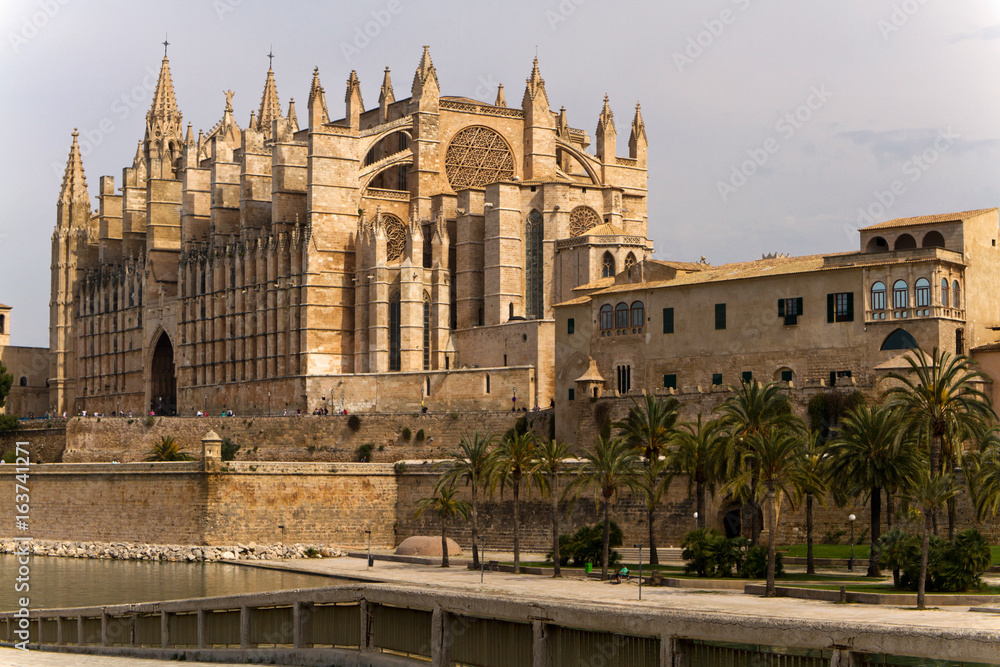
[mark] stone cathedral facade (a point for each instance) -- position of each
(408, 254)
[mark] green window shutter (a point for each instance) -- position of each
(781, 307)
(570, 325)
(668, 320)
(850, 306)
(798, 306)
(720, 316)
(831, 307)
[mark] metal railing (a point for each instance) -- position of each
(716, 654)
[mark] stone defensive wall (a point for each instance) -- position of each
(334, 503)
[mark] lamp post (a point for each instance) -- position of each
(696, 521)
(482, 557)
(639, 546)
(269, 404)
(850, 561)
(369, 534)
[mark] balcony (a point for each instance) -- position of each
(924, 312)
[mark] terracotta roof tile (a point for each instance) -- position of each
(927, 219)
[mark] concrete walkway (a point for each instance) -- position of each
(10, 657)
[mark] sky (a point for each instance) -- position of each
(778, 126)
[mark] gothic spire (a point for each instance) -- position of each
(270, 108)
(353, 88)
(425, 74)
(638, 127)
(536, 84)
(386, 96)
(293, 120)
(74, 184)
(501, 100)
(607, 118)
(317, 102)
(164, 106)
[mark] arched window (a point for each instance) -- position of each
(24, 381)
(621, 316)
(905, 242)
(956, 295)
(624, 373)
(638, 314)
(877, 244)
(607, 317)
(427, 333)
(922, 292)
(878, 296)
(900, 294)
(534, 265)
(944, 292)
(629, 261)
(394, 333)
(933, 240)
(900, 339)
(608, 266)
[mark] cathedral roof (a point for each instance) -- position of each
(604, 229)
(927, 219)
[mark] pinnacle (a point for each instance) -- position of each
(386, 95)
(536, 84)
(425, 72)
(164, 105)
(638, 126)
(607, 117)
(74, 185)
(501, 100)
(353, 88)
(270, 107)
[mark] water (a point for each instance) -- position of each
(80, 582)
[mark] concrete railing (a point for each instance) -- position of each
(380, 624)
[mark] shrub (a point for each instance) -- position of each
(699, 552)
(832, 536)
(167, 449)
(420, 435)
(406, 434)
(365, 452)
(755, 565)
(895, 549)
(951, 566)
(453, 415)
(229, 449)
(313, 552)
(354, 423)
(8, 423)
(586, 545)
(10, 456)
(707, 553)
(150, 420)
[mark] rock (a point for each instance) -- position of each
(228, 555)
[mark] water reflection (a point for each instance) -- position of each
(78, 582)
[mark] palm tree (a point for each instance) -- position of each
(772, 469)
(815, 462)
(930, 492)
(940, 405)
(447, 507)
(984, 475)
(869, 455)
(551, 457)
(513, 463)
(650, 427)
(167, 449)
(698, 453)
(752, 409)
(609, 468)
(471, 465)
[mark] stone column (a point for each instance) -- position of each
(539, 645)
(201, 629)
(439, 638)
(164, 629)
(244, 627)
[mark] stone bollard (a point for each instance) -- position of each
(211, 452)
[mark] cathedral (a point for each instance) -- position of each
(405, 256)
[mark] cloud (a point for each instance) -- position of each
(893, 146)
(986, 34)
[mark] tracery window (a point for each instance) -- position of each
(534, 266)
(394, 332)
(629, 261)
(582, 219)
(608, 266)
(621, 316)
(395, 237)
(878, 296)
(476, 157)
(607, 317)
(900, 294)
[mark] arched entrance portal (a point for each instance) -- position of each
(162, 379)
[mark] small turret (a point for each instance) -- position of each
(607, 136)
(352, 99)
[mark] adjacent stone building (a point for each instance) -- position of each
(407, 254)
(29, 366)
(811, 321)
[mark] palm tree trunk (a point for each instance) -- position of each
(444, 543)
(952, 518)
(517, 527)
(475, 528)
(876, 528)
(607, 539)
(700, 503)
(555, 527)
(654, 559)
(810, 564)
(925, 547)
(772, 523)
(889, 509)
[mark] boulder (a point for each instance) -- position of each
(420, 545)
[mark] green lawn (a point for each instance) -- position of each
(677, 572)
(844, 551)
(888, 589)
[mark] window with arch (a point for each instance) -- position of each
(24, 381)
(900, 294)
(608, 265)
(607, 317)
(582, 219)
(621, 316)
(922, 292)
(956, 295)
(933, 239)
(900, 339)
(427, 332)
(878, 296)
(638, 315)
(395, 333)
(944, 292)
(533, 266)
(624, 373)
(629, 261)
(905, 242)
